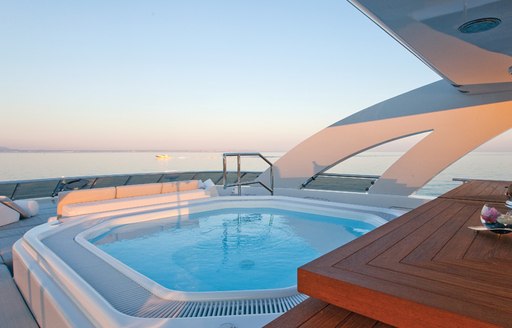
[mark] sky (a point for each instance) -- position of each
(190, 75)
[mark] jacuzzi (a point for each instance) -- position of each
(68, 277)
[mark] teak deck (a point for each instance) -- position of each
(423, 269)
(313, 313)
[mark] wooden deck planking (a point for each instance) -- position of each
(480, 190)
(330, 316)
(424, 268)
(313, 313)
(299, 314)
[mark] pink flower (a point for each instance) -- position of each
(490, 214)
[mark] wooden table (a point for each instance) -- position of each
(423, 269)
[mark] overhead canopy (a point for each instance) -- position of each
(468, 42)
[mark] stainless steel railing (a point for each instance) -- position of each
(40, 188)
(239, 182)
(50, 187)
(331, 181)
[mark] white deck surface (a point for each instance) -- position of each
(10, 233)
(14, 312)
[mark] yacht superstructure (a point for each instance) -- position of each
(465, 42)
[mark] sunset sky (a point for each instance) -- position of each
(191, 75)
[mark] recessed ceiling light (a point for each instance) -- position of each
(480, 25)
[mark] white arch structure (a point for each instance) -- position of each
(458, 123)
(471, 105)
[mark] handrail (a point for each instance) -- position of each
(50, 187)
(239, 183)
(464, 180)
(38, 188)
(373, 178)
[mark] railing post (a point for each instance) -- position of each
(239, 172)
(225, 172)
(94, 183)
(239, 175)
(272, 179)
(14, 191)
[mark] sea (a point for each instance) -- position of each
(38, 165)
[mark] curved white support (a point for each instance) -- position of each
(458, 123)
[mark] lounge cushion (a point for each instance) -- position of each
(8, 215)
(176, 186)
(130, 202)
(83, 196)
(138, 190)
(30, 207)
(26, 208)
(208, 184)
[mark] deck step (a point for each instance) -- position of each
(14, 313)
(318, 314)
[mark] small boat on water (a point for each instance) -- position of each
(162, 156)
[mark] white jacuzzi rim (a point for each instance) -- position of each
(33, 253)
(337, 210)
